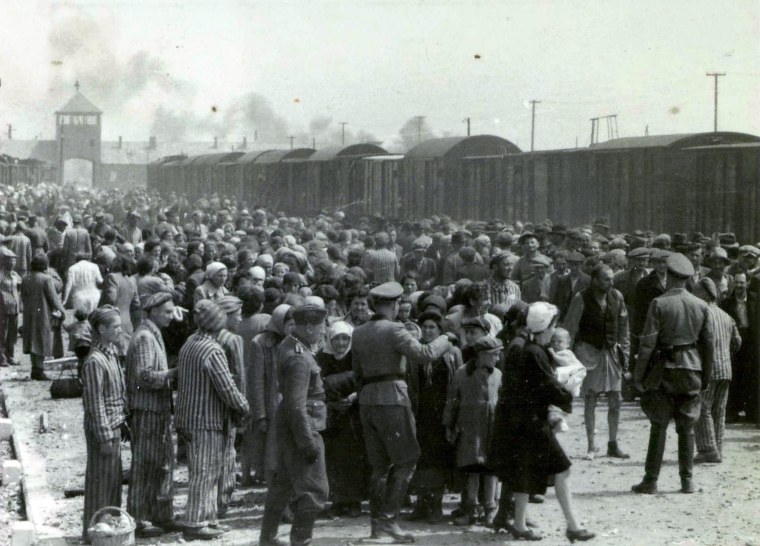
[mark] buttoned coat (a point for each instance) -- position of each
(40, 300)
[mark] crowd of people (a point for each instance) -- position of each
(337, 359)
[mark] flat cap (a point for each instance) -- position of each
(388, 291)
(504, 238)
(660, 254)
(576, 257)
(155, 300)
(679, 265)
(749, 250)
(420, 244)
(525, 236)
(488, 344)
(639, 252)
(229, 303)
(435, 300)
(618, 242)
(498, 257)
(540, 259)
(309, 314)
(467, 253)
(718, 253)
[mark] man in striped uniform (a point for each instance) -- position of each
(232, 344)
(208, 403)
(151, 489)
(712, 420)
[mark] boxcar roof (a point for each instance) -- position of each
(458, 147)
(275, 156)
(331, 152)
(686, 140)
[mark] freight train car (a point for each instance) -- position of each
(376, 188)
(276, 179)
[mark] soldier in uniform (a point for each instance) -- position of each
(300, 478)
(380, 347)
(674, 364)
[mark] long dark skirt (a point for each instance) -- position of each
(346, 459)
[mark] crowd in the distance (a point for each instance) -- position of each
(154, 280)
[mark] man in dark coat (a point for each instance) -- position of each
(379, 350)
(572, 283)
(742, 306)
(648, 288)
(674, 365)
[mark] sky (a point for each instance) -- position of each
(195, 69)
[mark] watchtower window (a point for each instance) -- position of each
(77, 119)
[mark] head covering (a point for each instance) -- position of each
(309, 314)
(209, 316)
(436, 300)
(680, 266)
(749, 250)
(706, 287)
(541, 260)
(389, 291)
(155, 300)
(660, 254)
(229, 303)
(258, 273)
(314, 300)
(264, 259)
(337, 328)
(100, 315)
(213, 268)
(277, 321)
(540, 316)
(718, 253)
(639, 252)
(487, 344)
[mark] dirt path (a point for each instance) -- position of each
(724, 511)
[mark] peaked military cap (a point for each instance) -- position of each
(309, 314)
(679, 265)
(388, 291)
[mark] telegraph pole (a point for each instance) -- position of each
(343, 132)
(533, 121)
(715, 75)
(292, 138)
(467, 121)
(419, 127)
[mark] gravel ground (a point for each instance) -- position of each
(724, 511)
(11, 500)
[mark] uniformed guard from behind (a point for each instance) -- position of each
(674, 364)
(300, 478)
(379, 349)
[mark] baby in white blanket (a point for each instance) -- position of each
(570, 374)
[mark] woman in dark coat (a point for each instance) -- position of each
(436, 460)
(533, 454)
(344, 442)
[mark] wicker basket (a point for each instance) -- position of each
(122, 538)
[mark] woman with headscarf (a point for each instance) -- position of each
(344, 441)
(105, 414)
(40, 302)
(213, 286)
(262, 388)
(432, 383)
(535, 457)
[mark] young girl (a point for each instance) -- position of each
(570, 374)
(469, 420)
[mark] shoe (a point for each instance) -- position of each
(469, 517)
(391, 529)
(708, 457)
(273, 541)
(40, 376)
(220, 526)
(201, 533)
(536, 499)
(489, 516)
(149, 531)
(645, 488)
(528, 534)
(614, 451)
(687, 486)
(171, 526)
(3, 364)
(580, 535)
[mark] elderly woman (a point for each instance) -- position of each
(432, 384)
(262, 388)
(534, 454)
(344, 442)
(105, 413)
(213, 286)
(41, 304)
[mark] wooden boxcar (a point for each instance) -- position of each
(274, 179)
(375, 189)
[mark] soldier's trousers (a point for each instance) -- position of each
(151, 487)
(102, 477)
(677, 399)
(227, 479)
(205, 461)
(390, 436)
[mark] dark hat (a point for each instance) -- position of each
(618, 242)
(525, 236)
(430, 315)
(728, 240)
(559, 229)
(680, 266)
(433, 299)
(540, 259)
(309, 314)
(99, 216)
(576, 257)
(498, 257)
(639, 252)
(680, 239)
(467, 253)
(718, 253)
(458, 237)
(487, 343)
(660, 254)
(388, 291)
(155, 300)
(476, 322)
(504, 238)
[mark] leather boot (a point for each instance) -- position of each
(655, 452)
(303, 527)
(686, 461)
(395, 492)
(435, 507)
(269, 526)
(506, 510)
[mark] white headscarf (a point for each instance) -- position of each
(540, 316)
(337, 328)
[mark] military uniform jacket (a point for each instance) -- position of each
(302, 408)
(379, 348)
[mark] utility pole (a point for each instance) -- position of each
(343, 132)
(716, 75)
(292, 138)
(419, 119)
(467, 121)
(314, 142)
(593, 129)
(533, 121)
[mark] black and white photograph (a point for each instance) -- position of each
(342, 273)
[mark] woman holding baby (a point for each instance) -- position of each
(536, 459)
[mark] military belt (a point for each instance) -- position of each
(384, 377)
